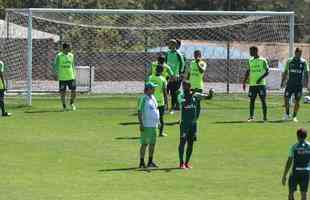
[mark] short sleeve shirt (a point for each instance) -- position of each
(148, 106)
(296, 68)
(257, 67)
(64, 64)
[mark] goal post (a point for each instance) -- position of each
(120, 43)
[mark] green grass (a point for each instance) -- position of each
(87, 154)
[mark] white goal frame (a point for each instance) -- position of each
(31, 11)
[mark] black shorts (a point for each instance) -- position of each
(299, 178)
(174, 86)
(296, 90)
(71, 84)
(1, 95)
(188, 131)
(257, 90)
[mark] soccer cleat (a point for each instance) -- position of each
(163, 135)
(182, 166)
(73, 107)
(6, 114)
(152, 165)
(295, 119)
(188, 166)
(251, 119)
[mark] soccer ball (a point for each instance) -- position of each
(307, 99)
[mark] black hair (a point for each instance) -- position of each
(66, 46)
(161, 58)
(302, 133)
(254, 48)
(298, 50)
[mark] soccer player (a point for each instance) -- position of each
(297, 71)
(160, 96)
(177, 64)
(196, 74)
(64, 67)
(148, 116)
(166, 72)
(256, 73)
(188, 126)
(2, 90)
(299, 156)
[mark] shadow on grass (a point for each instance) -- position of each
(137, 123)
(127, 138)
(42, 111)
(149, 170)
(246, 122)
(128, 123)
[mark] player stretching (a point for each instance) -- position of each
(160, 96)
(176, 61)
(188, 101)
(196, 74)
(2, 90)
(258, 70)
(297, 71)
(148, 116)
(299, 156)
(65, 69)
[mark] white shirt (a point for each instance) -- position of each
(149, 108)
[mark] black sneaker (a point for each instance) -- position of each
(6, 114)
(152, 165)
(142, 165)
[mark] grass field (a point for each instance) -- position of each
(93, 153)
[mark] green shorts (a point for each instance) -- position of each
(148, 135)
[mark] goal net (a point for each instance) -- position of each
(115, 47)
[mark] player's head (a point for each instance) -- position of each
(253, 51)
(172, 44)
(298, 52)
(66, 47)
(197, 54)
(301, 134)
(159, 70)
(161, 59)
(149, 88)
(186, 85)
(179, 43)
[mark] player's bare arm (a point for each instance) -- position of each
(140, 120)
(246, 77)
(286, 170)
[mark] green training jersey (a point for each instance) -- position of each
(296, 68)
(300, 152)
(167, 72)
(64, 66)
(189, 111)
(258, 67)
(161, 83)
(195, 76)
(1, 71)
(176, 62)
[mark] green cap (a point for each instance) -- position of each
(150, 85)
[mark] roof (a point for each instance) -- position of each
(21, 32)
